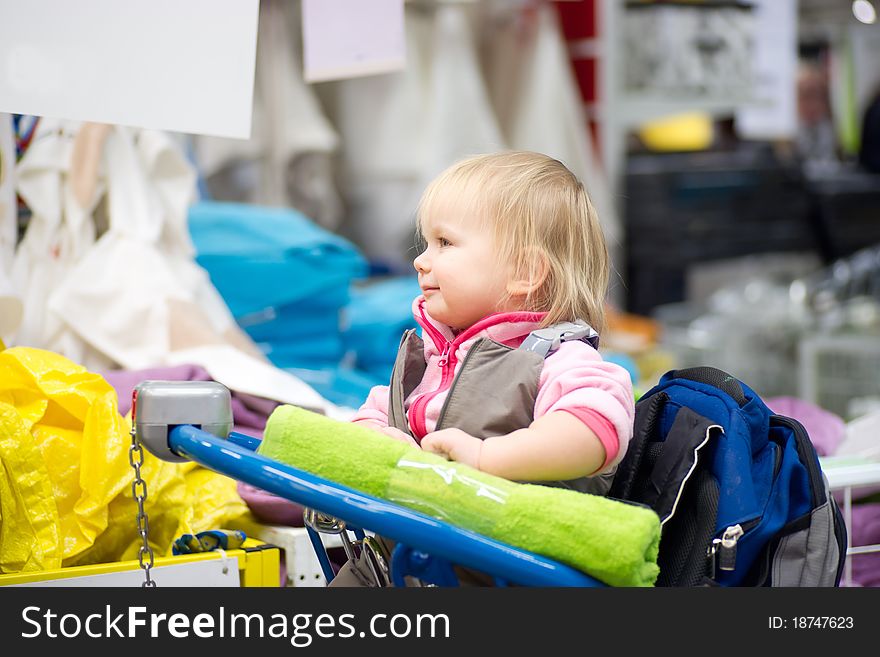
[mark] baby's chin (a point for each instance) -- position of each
(435, 308)
(440, 312)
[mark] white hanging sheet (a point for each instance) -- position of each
(10, 303)
(124, 297)
(460, 119)
(541, 107)
(60, 230)
(400, 130)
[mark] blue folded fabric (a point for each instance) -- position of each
(344, 386)
(292, 324)
(316, 352)
(260, 257)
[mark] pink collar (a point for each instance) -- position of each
(509, 328)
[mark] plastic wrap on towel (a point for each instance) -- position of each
(421, 483)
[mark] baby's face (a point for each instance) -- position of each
(459, 272)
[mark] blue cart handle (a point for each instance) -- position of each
(236, 458)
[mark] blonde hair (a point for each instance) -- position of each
(535, 206)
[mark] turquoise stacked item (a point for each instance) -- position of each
(284, 278)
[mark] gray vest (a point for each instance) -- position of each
(493, 394)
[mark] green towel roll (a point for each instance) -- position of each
(612, 541)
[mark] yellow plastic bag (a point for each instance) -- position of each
(65, 485)
(30, 530)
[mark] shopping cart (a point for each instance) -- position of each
(190, 421)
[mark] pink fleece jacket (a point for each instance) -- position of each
(574, 379)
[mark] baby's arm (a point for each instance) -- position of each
(557, 446)
(373, 414)
(583, 422)
(375, 410)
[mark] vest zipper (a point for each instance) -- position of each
(455, 381)
(417, 410)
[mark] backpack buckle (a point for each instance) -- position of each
(547, 340)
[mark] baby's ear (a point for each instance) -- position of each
(530, 274)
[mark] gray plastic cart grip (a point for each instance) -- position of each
(158, 405)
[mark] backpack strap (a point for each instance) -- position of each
(689, 434)
(636, 465)
(656, 467)
(545, 341)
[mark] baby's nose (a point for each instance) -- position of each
(421, 263)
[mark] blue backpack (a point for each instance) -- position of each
(739, 490)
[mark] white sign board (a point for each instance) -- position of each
(348, 38)
(162, 64)
(774, 116)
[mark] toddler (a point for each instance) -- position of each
(513, 246)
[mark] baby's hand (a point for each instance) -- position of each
(455, 445)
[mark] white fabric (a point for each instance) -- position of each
(124, 299)
(118, 296)
(287, 116)
(11, 308)
(59, 232)
(861, 437)
(380, 119)
(461, 120)
(8, 209)
(547, 111)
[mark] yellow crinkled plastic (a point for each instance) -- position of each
(65, 486)
(30, 532)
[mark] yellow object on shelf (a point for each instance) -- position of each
(692, 131)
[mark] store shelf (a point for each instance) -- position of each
(850, 472)
(849, 475)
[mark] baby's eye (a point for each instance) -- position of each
(442, 241)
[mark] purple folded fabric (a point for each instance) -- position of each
(269, 508)
(826, 429)
(125, 381)
(866, 531)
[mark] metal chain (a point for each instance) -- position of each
(139, 493)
